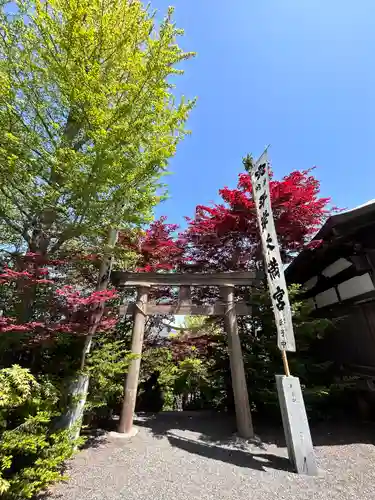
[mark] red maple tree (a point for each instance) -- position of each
(158, 247)
(225, 236)
(61, 308)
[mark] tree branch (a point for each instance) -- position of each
(22, 231)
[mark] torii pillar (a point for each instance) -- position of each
(239, 386)
(131, 385)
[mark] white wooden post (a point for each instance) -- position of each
(293, 412)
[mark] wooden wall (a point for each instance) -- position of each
(352, 340)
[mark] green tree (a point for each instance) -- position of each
(195, 326)
(31, 455)
(88, 119)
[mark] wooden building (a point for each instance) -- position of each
(339, 279)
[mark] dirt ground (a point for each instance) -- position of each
(179, 458)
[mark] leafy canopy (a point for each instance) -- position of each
(88, 118)
(225, 236)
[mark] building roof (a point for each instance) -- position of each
(334, 232)
(345, 217)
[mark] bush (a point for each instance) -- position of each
(157, 378)
(107, 366)
(168, 384)
(192, 382)
(31, 452)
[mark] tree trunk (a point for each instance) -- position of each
(79, 386)
(77, 394)
(241, 397)
(37, 244)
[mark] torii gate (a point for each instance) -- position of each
(227, 308)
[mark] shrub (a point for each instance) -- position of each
(32, 453)
(107, 366)
(157, 378)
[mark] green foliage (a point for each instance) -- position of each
(31, 453)
(263, 360)
(16, 387)
(201, 325)
(88, 119)
(192, 382)
(194, 322)
(107, 366)
(157, 378)
(164, 381)
(191, 375)
(162, 377)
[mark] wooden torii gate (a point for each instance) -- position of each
(227, 308)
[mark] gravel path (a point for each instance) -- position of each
(197, 458)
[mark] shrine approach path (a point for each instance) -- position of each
(185, 458)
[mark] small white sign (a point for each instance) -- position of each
(274, 268)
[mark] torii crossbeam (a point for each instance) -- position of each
(227, 308)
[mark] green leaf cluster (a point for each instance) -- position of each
(88, 117)
(31, 452)
(174, 380)
(107, 365)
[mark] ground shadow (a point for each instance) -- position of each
(220, 429)
(93, 438)
(330, 433)
(257, 461)
(336, 433)
(213, 428)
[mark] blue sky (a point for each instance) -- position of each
(298, 74)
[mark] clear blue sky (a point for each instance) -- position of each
(299, 74)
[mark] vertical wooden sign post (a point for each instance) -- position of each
(296, 426)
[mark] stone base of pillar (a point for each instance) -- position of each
(124, 435)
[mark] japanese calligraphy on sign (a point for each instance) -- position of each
(275, 273)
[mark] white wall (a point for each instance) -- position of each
(356, 286)
(336, 267)
(311, 283)
(326, 298)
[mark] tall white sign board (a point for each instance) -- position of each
(274, 267)
(293, 412)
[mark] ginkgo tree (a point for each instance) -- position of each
(88, 121)
(88, 118)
